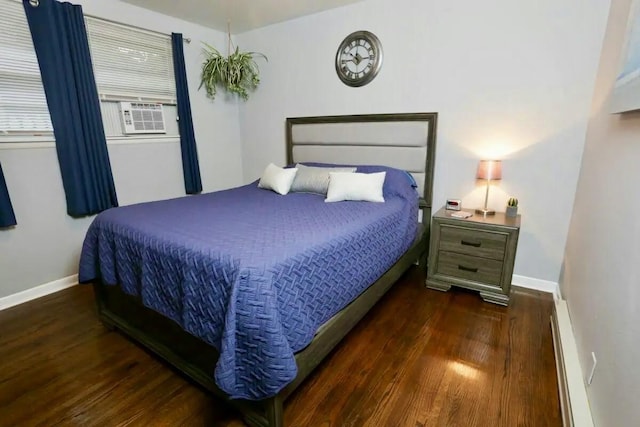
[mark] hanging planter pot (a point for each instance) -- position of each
(236, 73)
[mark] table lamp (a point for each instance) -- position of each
(489, 170)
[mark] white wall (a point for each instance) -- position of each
(510, 79)
(46, 244)
(601, 277)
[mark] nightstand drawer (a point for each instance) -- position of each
(470, 268)
(480, 243)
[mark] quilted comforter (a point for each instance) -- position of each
(251, 272)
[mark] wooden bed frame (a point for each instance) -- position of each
(197, 359)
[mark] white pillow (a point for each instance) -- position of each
(355, 186)
(277, 179)
(313, 179)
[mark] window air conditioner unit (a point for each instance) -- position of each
(142, 117)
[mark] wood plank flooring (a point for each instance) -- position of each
(419, 358)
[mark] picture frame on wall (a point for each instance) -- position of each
(626, 90)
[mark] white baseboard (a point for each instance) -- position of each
(537, 284)
(38, 291)
(574, 402)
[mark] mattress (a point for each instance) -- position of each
(251, 272)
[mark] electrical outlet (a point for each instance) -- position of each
(593, 368)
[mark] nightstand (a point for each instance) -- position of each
(474, 253)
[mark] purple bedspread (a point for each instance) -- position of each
(251, 272)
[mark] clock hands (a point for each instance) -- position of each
(357, 59)
(352, 59)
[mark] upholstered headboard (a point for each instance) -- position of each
(403, 141)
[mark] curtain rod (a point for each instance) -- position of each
(185, 39)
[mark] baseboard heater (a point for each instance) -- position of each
(574, 403)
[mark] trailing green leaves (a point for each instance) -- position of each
(238, 73)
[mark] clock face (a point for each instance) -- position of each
(359, 58)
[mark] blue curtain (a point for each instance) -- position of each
(60, 40)
(7, 217)
(190, 166)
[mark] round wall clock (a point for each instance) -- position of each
(359, 58)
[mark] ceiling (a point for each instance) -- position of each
(244, 15)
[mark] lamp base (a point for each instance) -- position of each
(485, 212)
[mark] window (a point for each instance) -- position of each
(130, 63)
(23, 106)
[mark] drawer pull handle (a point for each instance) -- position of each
(469, 269)
(468, 243)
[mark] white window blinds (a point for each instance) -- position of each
(23, 106)
(130, 63)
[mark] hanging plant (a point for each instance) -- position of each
(236, 73)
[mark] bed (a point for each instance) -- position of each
(247, 302)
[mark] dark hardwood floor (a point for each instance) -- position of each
(419, 358)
